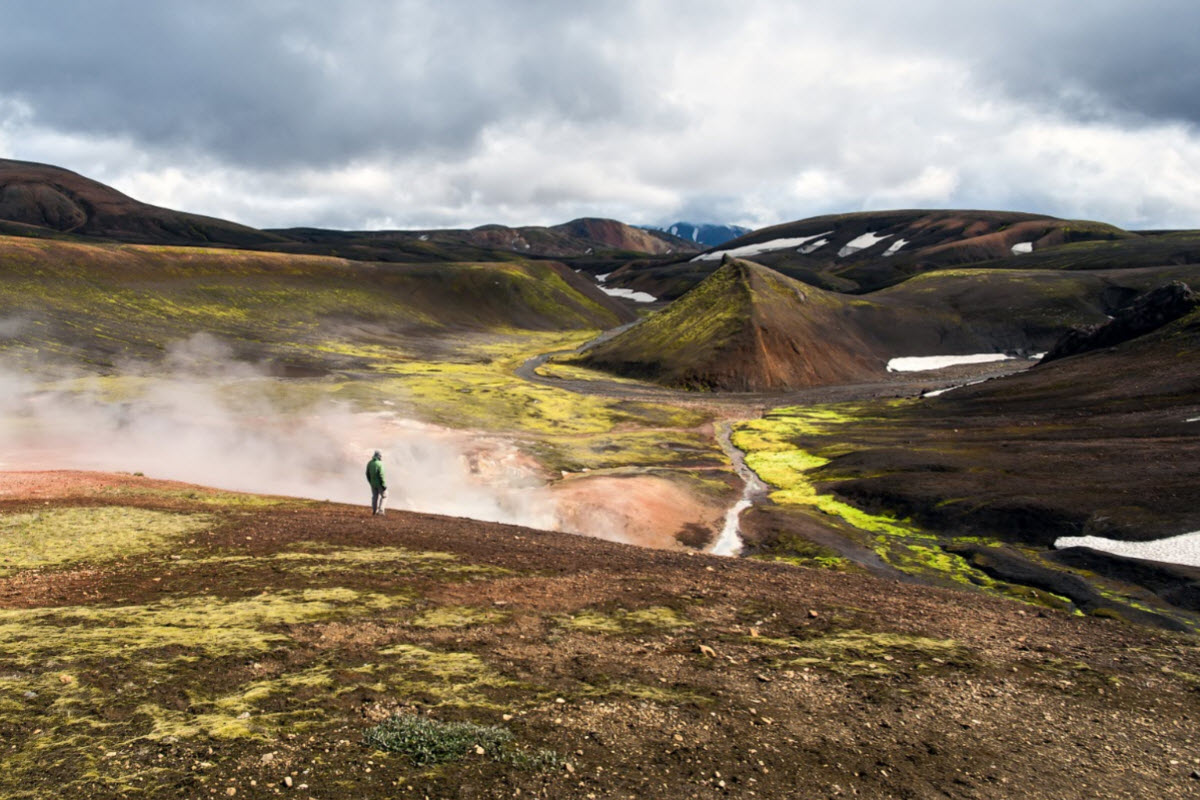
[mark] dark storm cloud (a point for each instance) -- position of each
(1087, 59)
(274, 83)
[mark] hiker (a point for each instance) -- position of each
(378, 483)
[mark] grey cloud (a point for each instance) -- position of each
(1099, 59)
(532, 112)
(277, 83)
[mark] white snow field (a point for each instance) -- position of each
(868, 239)
(747, 250)
(1021, 248)
(630, 294)
(922, 363)
(1182, 549)
(894, 247)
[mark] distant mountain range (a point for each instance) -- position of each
(45, 201)
(704, 233)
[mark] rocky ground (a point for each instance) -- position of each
(163, 640)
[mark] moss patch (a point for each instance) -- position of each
(621, 621)
(189, 627)
(856, 653)
(69, 535)
(442, 678)
(457, 617)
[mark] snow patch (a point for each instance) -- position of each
(895, 246)
(1182, 549)
(604, 277)
(868, 239)
(936, 392)
(424, 237)
(1193, 419)
(1021, 248)
(761, 247)
(630, 294)
(812, 248)
(922, 363)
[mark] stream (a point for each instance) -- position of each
(730, 543)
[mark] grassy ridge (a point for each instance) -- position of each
(110, 300)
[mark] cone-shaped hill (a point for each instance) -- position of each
(745, 328)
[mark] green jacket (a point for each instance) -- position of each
(375, 474)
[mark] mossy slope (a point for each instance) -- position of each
(745, 328)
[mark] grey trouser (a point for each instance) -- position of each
(378, 499)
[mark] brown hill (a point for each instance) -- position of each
(56, 199)
(868, 250)
(745, 328)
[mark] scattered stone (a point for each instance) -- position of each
(287, 781)
(812, 613)
(708, 651)
(478, 751)
(231, 791)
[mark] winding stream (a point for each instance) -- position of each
(730, 543)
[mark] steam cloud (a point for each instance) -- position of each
(204, 418)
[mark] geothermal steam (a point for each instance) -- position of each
(204, 418)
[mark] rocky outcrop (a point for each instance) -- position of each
(1147, 313)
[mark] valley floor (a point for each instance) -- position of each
(200, 643)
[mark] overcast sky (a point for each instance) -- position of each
(412, 114)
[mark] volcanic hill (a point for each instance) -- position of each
(745, 328)
(43, 199)
(864, 251)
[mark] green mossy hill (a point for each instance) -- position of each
(106, 300)
(745, 328)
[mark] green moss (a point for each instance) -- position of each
(202, 497)
(194, 626)
(789, 548)
(622, 621)
(68, 535)
(856, 653)
(457, 617)
(663, 695)
(443, 678)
